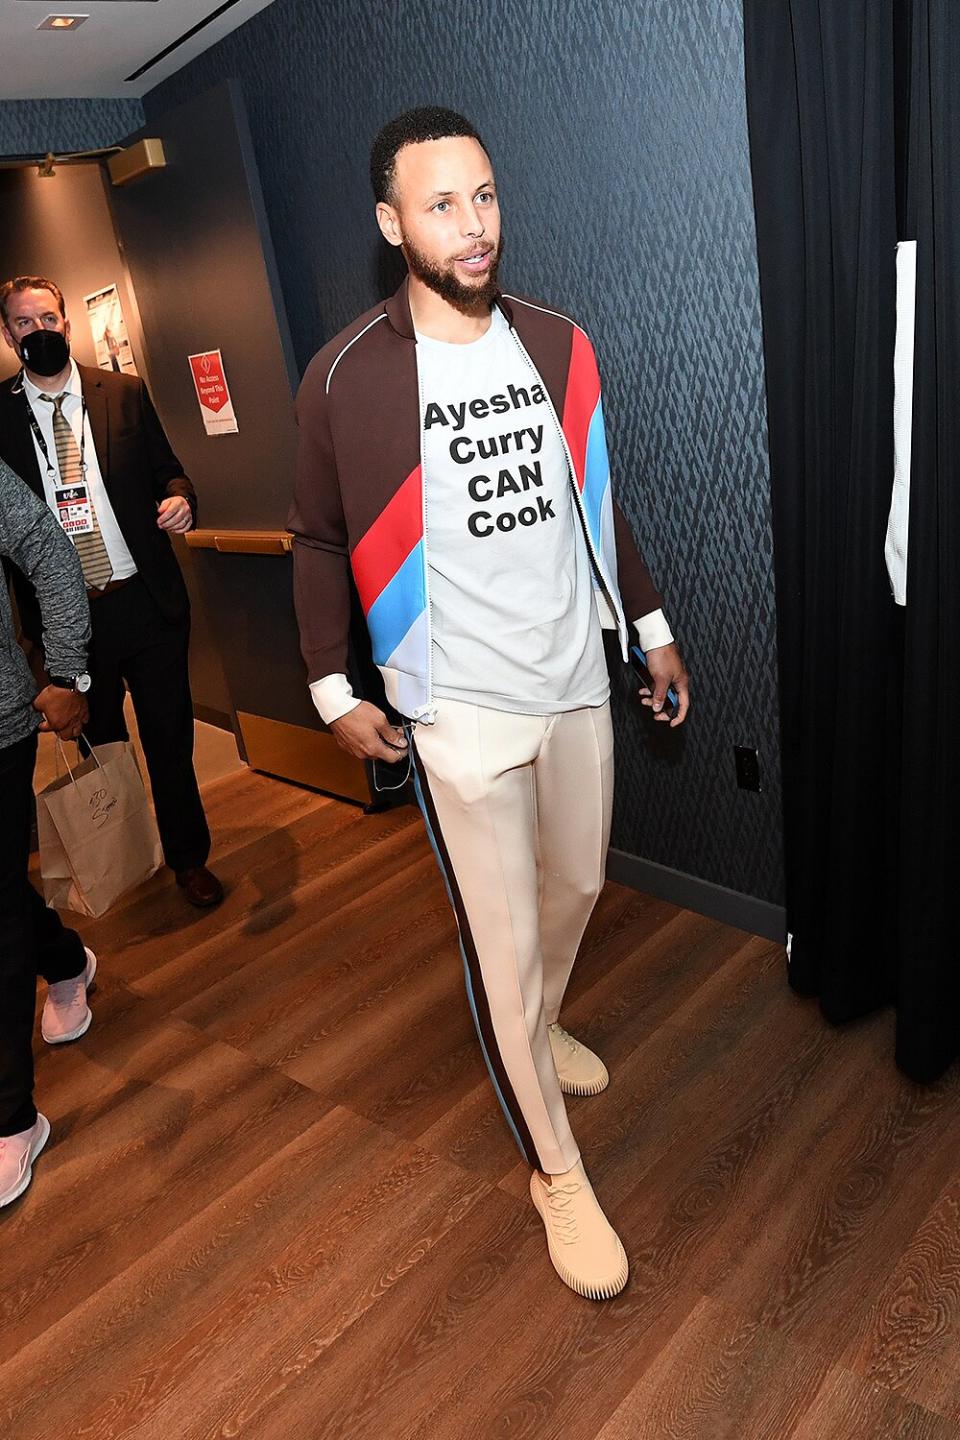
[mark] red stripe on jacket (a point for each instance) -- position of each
(580, 401)
(379, 553)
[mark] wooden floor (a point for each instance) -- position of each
(280, 1202)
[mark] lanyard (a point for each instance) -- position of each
(42, 444)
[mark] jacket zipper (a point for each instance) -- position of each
(427, 713)
(613, 601)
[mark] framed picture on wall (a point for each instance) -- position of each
(109, 330)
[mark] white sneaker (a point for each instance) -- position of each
(579, 1071)
(66, 1014)
(17, 1154)
(584, 1247)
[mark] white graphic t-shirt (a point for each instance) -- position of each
(514, 621)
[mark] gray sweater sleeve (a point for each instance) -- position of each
(31, 537)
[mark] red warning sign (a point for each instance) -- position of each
(213, 393)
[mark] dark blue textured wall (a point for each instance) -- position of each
(619, 137)
(32, 127)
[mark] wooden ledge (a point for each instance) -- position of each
(241, 542)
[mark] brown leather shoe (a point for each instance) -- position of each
(200, 886)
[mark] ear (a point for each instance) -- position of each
(66, 328)
(389, 222)
(9, 338)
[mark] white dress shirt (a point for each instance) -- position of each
(121, 560)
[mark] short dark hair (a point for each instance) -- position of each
(429, 122)
(29, 282)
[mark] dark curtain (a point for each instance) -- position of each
(928, 1033)
(853, 133)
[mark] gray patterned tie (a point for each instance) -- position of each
(91, 548)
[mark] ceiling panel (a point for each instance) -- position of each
(117, 51)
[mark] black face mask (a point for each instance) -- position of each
(45, 352)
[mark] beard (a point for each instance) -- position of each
(445, 282)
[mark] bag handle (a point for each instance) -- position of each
(62, 755)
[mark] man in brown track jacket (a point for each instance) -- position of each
(453, 466)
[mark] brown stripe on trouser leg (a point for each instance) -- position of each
(475, 989)
(480, 772)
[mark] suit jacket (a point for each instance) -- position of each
(139, 469)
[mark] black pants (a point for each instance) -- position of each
(33, 941)
(133, 642)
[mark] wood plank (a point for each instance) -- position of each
(149, 1125)
(557, 1365)
(268, 1253)
(264, 880)
(910, 1340)
(849, 1408)
(825, 1250)
(720, 1376)
(376, 1335)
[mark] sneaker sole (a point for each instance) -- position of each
(599, 1290)
(571, 1087)
(35, 1149)
(71, 1034)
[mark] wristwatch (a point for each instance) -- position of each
(80, 683)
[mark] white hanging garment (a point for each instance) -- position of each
(898, 524)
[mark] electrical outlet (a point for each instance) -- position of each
(748, 767)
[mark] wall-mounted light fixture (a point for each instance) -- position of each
(45, 164)
(125, 163)
(62, 22)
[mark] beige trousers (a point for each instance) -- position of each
(518, 809)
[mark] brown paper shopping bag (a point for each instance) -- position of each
(98, 837)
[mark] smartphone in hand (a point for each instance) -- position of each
(638, 660)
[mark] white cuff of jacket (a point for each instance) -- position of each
(333, 695)
(653, 631)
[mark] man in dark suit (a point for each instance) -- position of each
(89, 443)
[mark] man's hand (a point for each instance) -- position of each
(174, 514)
(365, 732)
(65, 712)
(667, 669)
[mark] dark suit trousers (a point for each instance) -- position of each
(133, 642)
(33, 940)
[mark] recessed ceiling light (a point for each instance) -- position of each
(62, 22)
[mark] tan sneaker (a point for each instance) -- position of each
(584, 1247)
(66, 1014)
(579, 1071)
